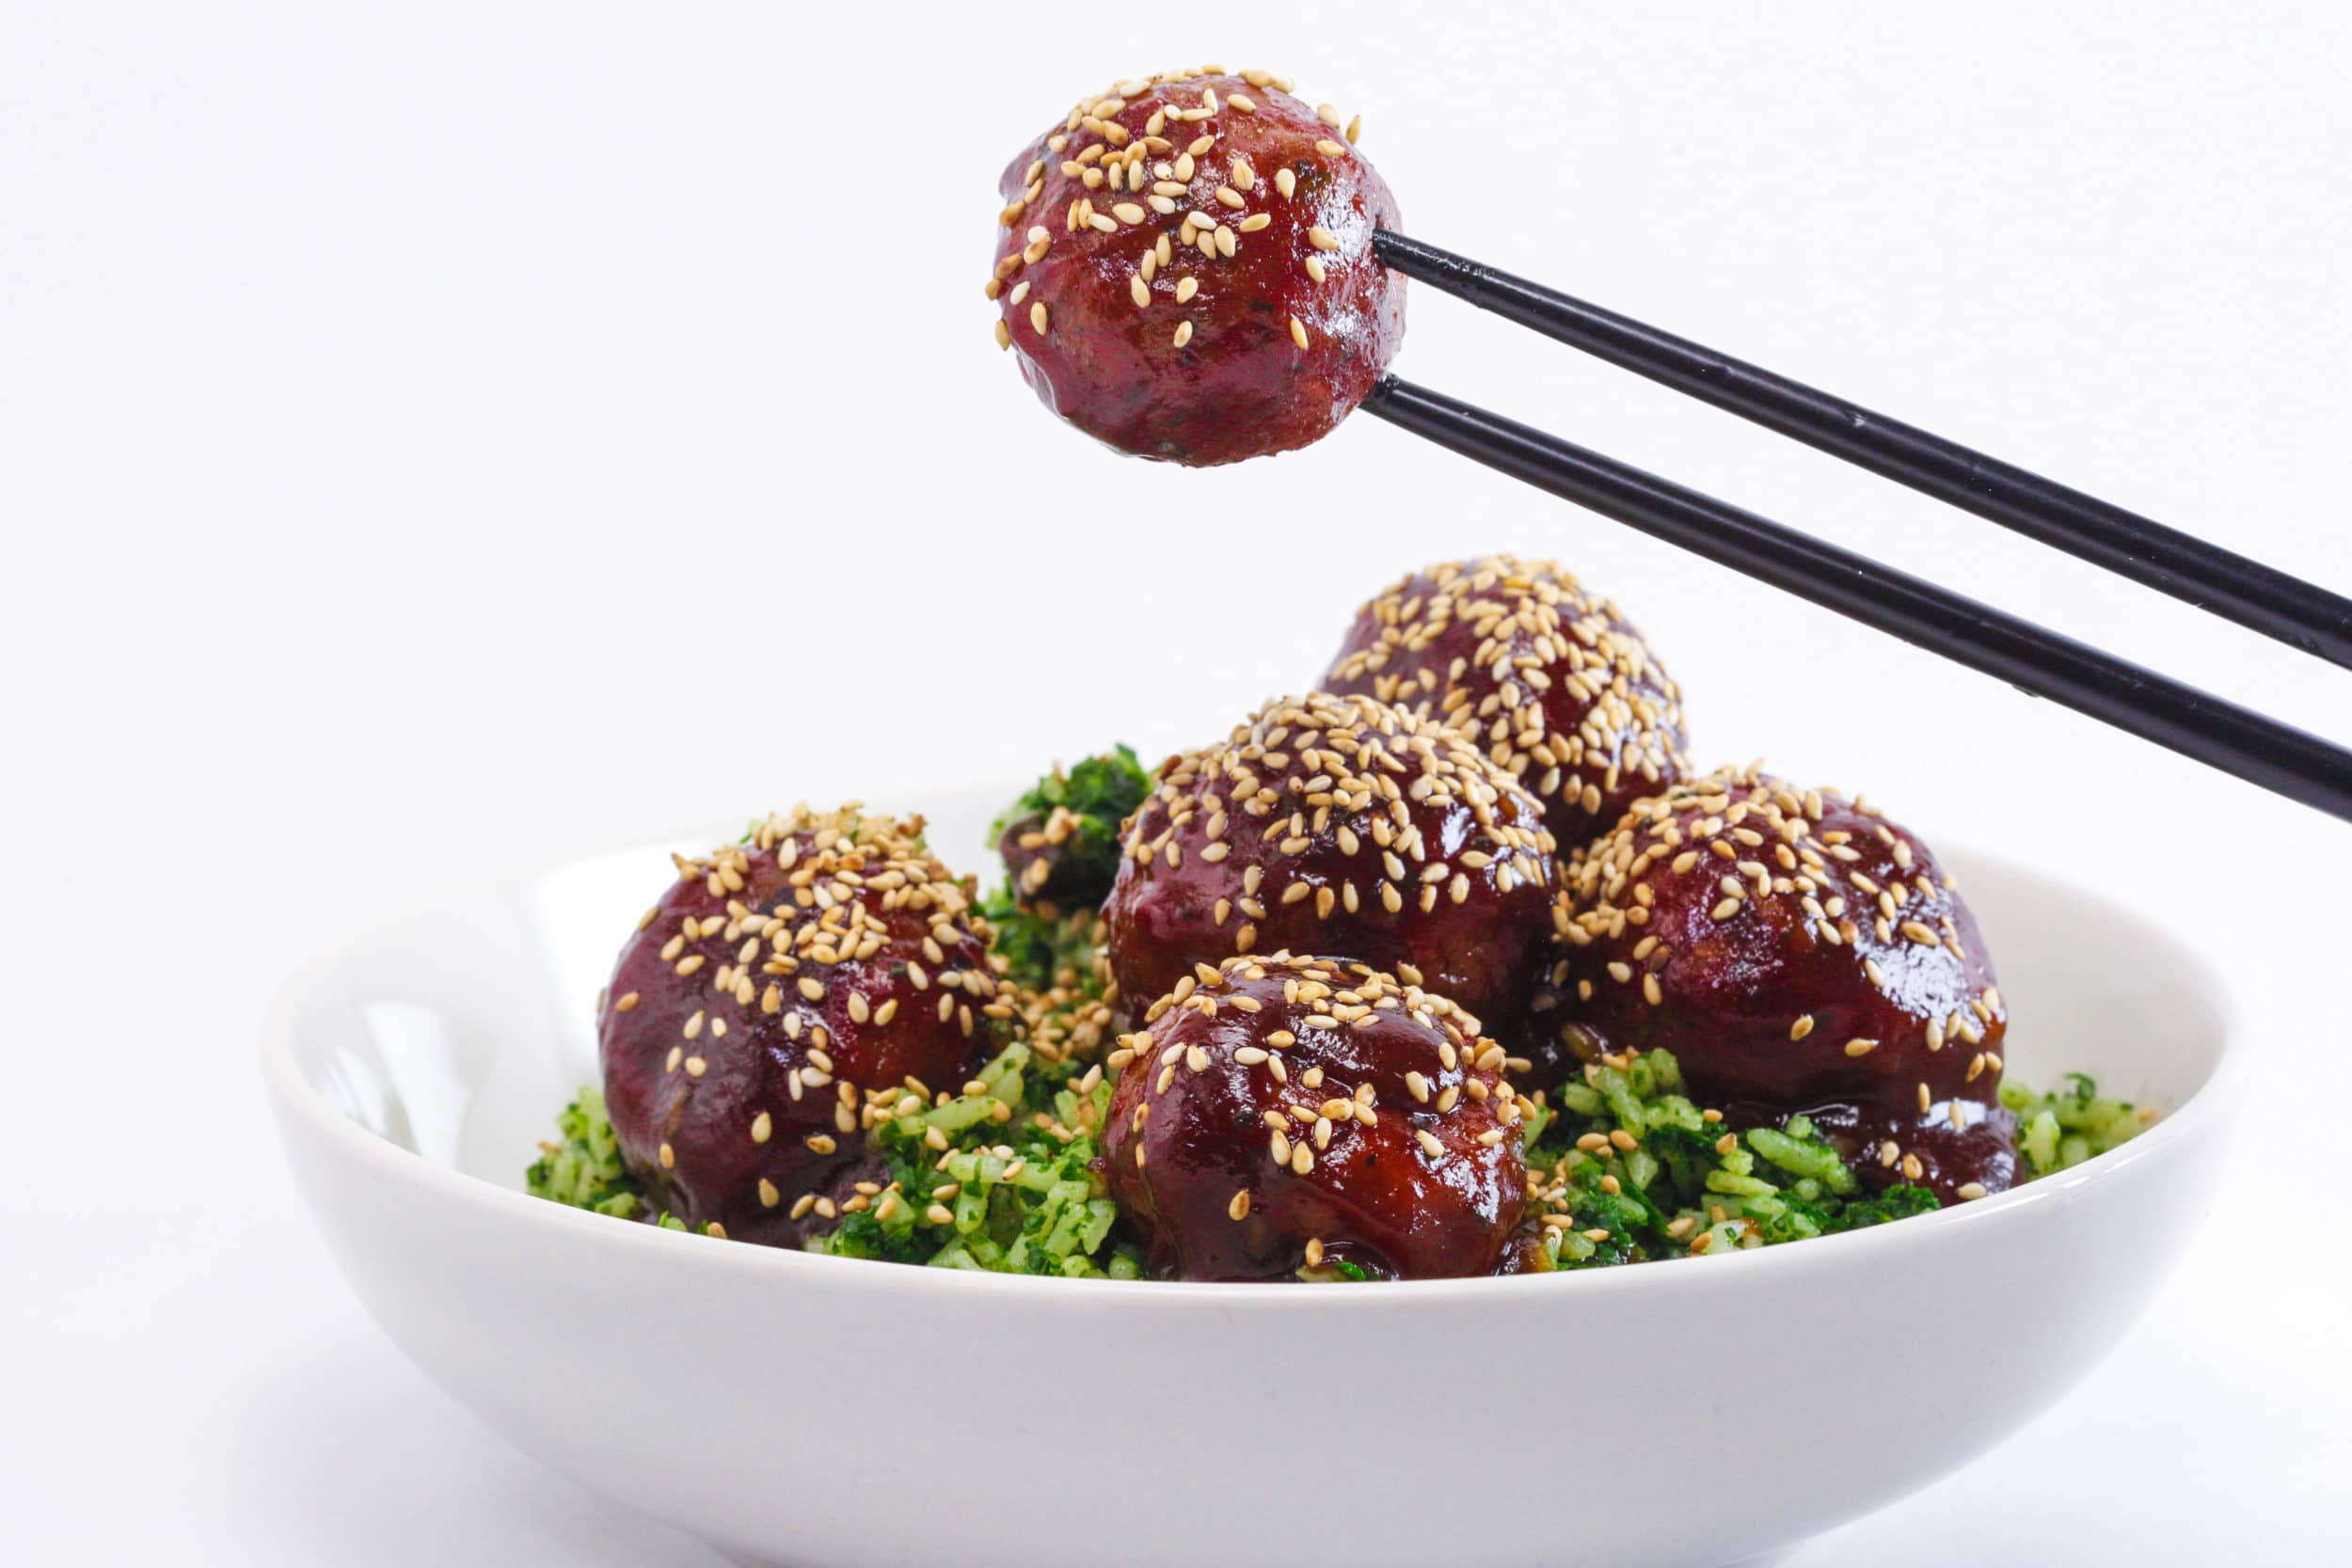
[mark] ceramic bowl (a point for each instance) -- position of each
(806, 1410)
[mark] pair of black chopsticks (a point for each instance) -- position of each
(2280, 757)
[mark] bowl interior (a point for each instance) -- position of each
(458, 1029)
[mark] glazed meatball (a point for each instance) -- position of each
(781, 991)
(1185, 270)
(1060, 841)
(1343, 826)
(1049, 861)
(1284, 1111)
(1546, 676)
(1797, 953)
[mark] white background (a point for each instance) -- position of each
(428, 434)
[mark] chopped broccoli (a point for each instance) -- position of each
(584, 1170)
(2061, 1130)
(1630, 1168)
(973, 1183)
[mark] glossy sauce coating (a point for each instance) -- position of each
(1044, 863)
(1344, 826)
(1797, 953)
(1279, 1113)
(1545, 676)
(1184, 268)
(780, 991)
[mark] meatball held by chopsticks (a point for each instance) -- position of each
(1277, 1113)
(1185, 269)
(782, 993)
(1542, 675)
(1797, 952)
(1343, 826)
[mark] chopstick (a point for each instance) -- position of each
(2263, 599)
(2261, 750)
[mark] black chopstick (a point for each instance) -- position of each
(2302, 614)
(2278, 757)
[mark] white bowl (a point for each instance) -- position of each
(816, 1410)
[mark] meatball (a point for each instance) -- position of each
(1797, 952)
(1060, 841)
(1343, 826)
(1278, 1112)
(1049, 863)
(1545, 676)
(1187, 269)
(783, 991)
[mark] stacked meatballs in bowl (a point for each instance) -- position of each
(1348, 951)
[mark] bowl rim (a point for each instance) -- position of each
(296, 1100)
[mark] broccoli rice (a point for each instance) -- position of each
(1623, 1165)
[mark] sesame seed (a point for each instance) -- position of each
(1184, 333)
(1036, 316)
(1322, 238)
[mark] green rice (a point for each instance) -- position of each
(1019, 1155)
(1626, 1167)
